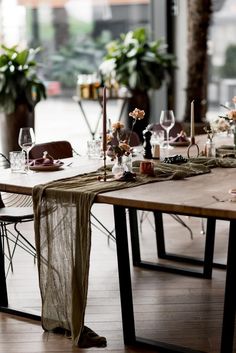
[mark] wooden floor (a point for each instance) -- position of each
(171, 308)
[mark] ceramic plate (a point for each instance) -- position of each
(46, 168)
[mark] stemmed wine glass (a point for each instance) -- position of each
(26, 141)
(167, 121)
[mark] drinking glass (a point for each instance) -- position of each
(26, 141)
(167, 121)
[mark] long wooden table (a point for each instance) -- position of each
(194, 196)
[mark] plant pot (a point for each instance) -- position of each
(139, 99)
(10, 126)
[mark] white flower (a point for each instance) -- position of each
(129, 39)
(107, 67)
(220, 125)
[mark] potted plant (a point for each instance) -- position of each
(20, 90)
(138, 64)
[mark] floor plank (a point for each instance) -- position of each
(176, 309)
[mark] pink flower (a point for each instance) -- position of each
(232, 115)
(137, 114)
(118, 125)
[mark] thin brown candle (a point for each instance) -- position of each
(104, 120)
(192, 130)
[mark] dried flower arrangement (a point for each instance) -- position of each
(118, 147)
(224, 123)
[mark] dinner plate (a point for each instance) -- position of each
(46, 168)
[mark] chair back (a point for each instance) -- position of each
(4, 162)
(56, 149)
(132, 137)
(176, 129)
(1, 201)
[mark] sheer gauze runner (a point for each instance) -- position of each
(63, 238)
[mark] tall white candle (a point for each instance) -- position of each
(192, 130)
(104, 132)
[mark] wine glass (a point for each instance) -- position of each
(26, 141)
(167, 121)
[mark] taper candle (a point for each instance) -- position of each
(192, 130)
(104, 120)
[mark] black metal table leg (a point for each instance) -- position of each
(160, 239)
(124, 275)
(227, 338)
(126, 291)
(134, 234)
(3, 286)
(209, 248)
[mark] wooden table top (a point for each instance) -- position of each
(24, 183)
(204, 195)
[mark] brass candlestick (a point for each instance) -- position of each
(105, 165)
(193, 146)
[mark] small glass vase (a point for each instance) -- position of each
(210, 150)
(119, 167)
(127, 161)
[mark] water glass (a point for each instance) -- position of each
(158, 136)
(94, 149)
(167, 121)
(17, 161)
(26, 141)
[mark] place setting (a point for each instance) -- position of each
(20, 161)
(45, 163)
(156, 163)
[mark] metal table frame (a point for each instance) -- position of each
(206, 262)
(93, 132)
(127, 307)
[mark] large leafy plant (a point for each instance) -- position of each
(19, 82)
(137, 63)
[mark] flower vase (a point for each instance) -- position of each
(119, 167)
(210, 150)
(127, 161)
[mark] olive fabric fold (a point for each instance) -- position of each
(63, 237)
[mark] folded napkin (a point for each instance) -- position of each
(225, 151)
(181, 138)
(46, 160)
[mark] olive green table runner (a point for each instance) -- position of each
(63, 236)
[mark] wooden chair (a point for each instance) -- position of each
(57, 149)
(14, 210)
(133, 137)
(176, 129)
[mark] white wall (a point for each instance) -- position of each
(181, 53)
(158, 23)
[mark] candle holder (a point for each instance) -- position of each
(104, 177)
(193, 146)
